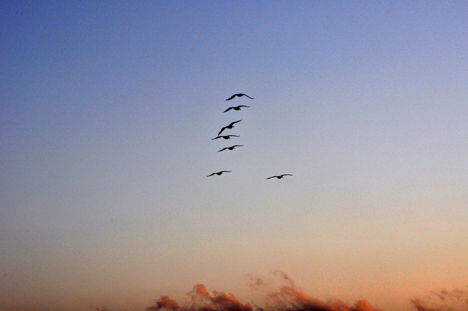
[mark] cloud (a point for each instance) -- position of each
(443, 300)
(285, 298)
(164, 303)
(256, 282)
(289, 298)
(201, 300)
(282, 294)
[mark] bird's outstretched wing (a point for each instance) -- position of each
(236, 108)
(230, 126)
(222, 149)
(218, 173)
(280, 176)
(229, 136)
(222, 130)
(225, 137)
(239, 94)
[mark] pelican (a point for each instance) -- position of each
(239, 95)
(218, 173)
(236, 108)
(230, 126)
(280, 176)
(225, 136)
(230, 148)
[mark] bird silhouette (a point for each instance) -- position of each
(225, 136)
(239, 95)
(236, 108)
(280, 176)
(230, 126)
(230, 148)
(218, 173)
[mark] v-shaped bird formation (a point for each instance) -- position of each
(231, 126)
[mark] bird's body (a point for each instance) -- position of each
(218, 173)
(239, 95)
(225, 136)
(230, 148)
(236, 108)
(280, 176)
(230, 126)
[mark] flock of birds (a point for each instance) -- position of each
(231, 126)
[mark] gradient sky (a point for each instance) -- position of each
(108, 108)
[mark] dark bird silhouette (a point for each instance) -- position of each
(218, 173)
(239, 95)
(280, 176)
(225, 136)
(236, 108)
(230, 148)
(230, 126)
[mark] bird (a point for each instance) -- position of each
(225, 136)
(218, 173)
(230, 126)
(239, 95)
(280, 176)
(236, 108)
(230, 148)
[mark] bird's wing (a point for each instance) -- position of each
(271, 177)
(210, 175)
(227, 109)
(248, 96)
(232, 123)
(231, 97)
(216, 137)
(244, 106)
(221, 149)
(222, 130)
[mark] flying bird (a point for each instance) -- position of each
(236, 108)
(239, 95)
(230, 148)
(225, 136)
(218, 173)
(280, 176)
(230, 126)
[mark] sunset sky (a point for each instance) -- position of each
(107, 114)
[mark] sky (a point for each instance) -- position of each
(107, 114)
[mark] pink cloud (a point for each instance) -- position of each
(285, 298)
(454, 300)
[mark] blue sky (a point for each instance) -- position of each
(106, 119)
